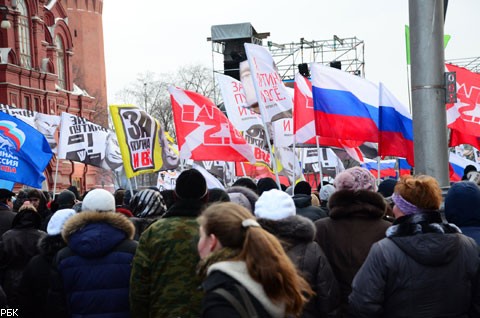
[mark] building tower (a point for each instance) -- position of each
(88, 61)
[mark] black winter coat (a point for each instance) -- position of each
(18, 246)
(297, 235)
(35, 281)
(304, 206)
(424, 268)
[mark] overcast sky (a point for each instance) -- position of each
(161, 36)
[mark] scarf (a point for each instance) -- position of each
(223, 254)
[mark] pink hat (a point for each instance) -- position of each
(356, 178)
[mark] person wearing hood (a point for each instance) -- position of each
(18, 246)
(424, 267)
(354, 224)
(462, 208)
(302, 196)
(92, 273)
(35, 281)
(245, 271)
(275, 212)
(147, 206)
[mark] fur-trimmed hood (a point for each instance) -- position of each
(238, 271)
(425, 238)
(293, 229)
(361, 203)
(91, 234)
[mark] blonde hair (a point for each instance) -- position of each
(422, 191)
(267, 262)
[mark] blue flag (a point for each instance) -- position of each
(24, 152)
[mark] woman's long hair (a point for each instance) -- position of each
(267, 262)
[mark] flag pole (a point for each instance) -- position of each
(319, 161)
(243, 169)
(378, 170)
(55, 181)
(130, 186)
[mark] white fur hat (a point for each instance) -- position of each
(58, 219)
(274, 205)
(99, 200)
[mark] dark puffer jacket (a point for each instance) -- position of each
(94, 269)
(423, 269)
(297, 235)
(304, 206)
(355, 223)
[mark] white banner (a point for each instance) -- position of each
(273, 98)
(45, 124)
(235, 103)
(77, 136)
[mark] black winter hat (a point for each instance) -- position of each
(302, 187)
(65, 200)
(191, 185)
(265, 184)
(386, 187)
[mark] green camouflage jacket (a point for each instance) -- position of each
(164, 282)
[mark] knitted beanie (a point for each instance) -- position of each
(58, 219)
(356, 178)
(191, 185)
(274, 205)
(302, 187)
(326, 191)
(65, 200)
(147, 203)
(98, 200)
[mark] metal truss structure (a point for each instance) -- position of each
(470, 63)
(347, 53)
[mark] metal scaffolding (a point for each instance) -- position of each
(470, 63)
(347, 52)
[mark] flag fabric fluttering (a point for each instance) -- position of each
(387, 167)
(463, 117)
(404, 167)
(143, 144)
(203, 131)
(395, 127)
(24, 152)
(82, 141)
(346, 106)
(248, 122)
(273, 98)
(457, 165)
(304, 121)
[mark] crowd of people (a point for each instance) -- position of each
(347, 249)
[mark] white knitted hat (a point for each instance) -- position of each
(58, 219)
(274, 205)
(99, 200)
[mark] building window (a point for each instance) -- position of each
(24, 35)
(60, 61)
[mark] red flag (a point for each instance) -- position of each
(203, 131)
(458, 138)
(464, 115)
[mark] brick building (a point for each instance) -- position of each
(52, 61)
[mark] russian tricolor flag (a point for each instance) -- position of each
(404, 167)
(457, 165)
(395, 127)
(387, 168)
(346, 106)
